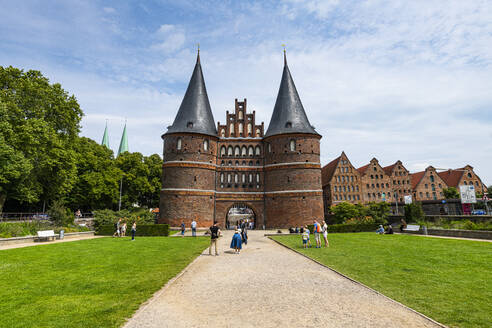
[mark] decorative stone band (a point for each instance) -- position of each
(190, 164)
(301, 165)
(208, 192)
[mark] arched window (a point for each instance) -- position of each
(250, 128)
(258, 132)
(244, 178)
(240, 128)
(464, 182)
(179, 144)
(432, 178)
(236, 178)
(205, 144)
(244, 151)
(222, 132)
(231, 128)
(257, 177)
(269, 148)
(250, 178)
(228, 177)
(222, 151)
(251, 151)
(240, 115)
(237, 163)
(229, 150)
(222, 177)
(244, 163)
(292, 145)
(230, 163)
(257, 150)
(237, 151)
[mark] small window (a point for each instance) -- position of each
(228, 178)
(205, 145)
(236, 178)
(243, 178)
(189, 125)
(257, 177)
(292, 145)
(229, 151)
(288, 125)
(432, 178)
(251, 151)
(222, 151)
(250, 177)
(257, 150)
(269, 148)
(244, 151)
(231, 128)
(258, 132)
(469, 175)
(179, 144)
(240, 128)
(237, 151)
(222, 132)
(222, 177)
(240, 115)
(250, 128)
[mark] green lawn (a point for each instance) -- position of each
(89, 283)
(448, 280)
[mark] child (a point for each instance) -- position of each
(134, 230)
(305, 238)
(306, 229)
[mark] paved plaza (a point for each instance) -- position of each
(268, 285)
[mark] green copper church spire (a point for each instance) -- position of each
(105, 141)
(123, 142)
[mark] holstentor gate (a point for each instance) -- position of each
(208, 168)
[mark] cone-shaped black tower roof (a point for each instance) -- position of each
(288, 114)
(194, 114)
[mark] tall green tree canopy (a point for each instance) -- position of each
(39, 123)
(451, 193)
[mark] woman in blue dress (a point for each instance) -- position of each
(236, 242)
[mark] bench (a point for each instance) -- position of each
(46, 234)
(412, 227)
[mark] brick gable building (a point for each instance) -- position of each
(399, 181)
(427, 185)
(341, 182)
(375, 182)
(208, 170)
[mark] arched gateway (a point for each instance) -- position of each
(240, 213)
(209, 168)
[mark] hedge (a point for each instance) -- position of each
(142, 230)
(363, 227)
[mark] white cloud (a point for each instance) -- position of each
(171, 38)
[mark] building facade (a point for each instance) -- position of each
(400, 181)
(341, 182)
(209, 169)
(375, 183)
(463, 176)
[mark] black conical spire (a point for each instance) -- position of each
(288, 114)
(194, 114)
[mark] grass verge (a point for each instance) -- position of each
(446, 279)
(90, 283)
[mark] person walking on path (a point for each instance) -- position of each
(134, 230)
(317, 230)
(182, 228)
(193, 228)
(236, 242)
(244, 235)
(324, 229)
(214, 236)
(117, 228)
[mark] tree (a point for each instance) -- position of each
(378, 211)
(413, 212)
(151, 198)
(135, 178)
(451, 193)
(97, 179)
(344, 211)
(489, 191)
(40, 123)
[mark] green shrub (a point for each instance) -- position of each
(21, 229)
(60, 215)
(109, 217)
(414, 213)
(142, 230)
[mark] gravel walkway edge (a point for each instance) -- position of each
(361, 284)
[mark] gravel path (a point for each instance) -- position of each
(268, 285)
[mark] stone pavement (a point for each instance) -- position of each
(268, 285)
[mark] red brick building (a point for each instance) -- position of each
(375, 183)
(427, 185)
(341, 182)
(207, 170)
(463, 176)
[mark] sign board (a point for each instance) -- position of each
(467, 194)
(407, 199)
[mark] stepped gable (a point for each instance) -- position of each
(194, 114)
(288, 114)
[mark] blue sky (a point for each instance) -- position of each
(408, 80)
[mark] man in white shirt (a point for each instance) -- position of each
(193, 228)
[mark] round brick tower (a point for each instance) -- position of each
(190, 155)
(293, 192)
